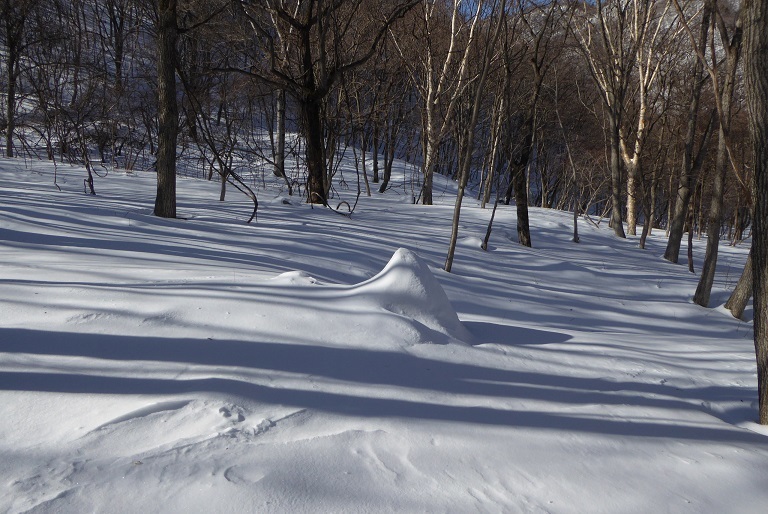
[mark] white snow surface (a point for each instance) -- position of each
(310, 362)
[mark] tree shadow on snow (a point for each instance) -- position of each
(495, 333)
(405, 373)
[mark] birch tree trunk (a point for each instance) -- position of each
(442, 87)
(611, 55)
(650, 30)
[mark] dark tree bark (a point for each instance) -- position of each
(692, 161)
(518, 181)
(312, 63)
(691, 219)
(117, 12)
(279, 156)
(168, 115)
(14, 15)
(311, 112)
(315, 155)
(11, 101)
(465, 155)
(521, 205)
(733, 49)
(756, 80)
(390, 143)
(375, 152)
(540, 60)
(741, 294)
(617, 223)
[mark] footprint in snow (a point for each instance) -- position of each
(234, 414)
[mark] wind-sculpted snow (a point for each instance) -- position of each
(318, 363)
(407, 287)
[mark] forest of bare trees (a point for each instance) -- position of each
(610, 108)
(633, 111)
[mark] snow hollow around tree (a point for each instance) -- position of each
(316, 363)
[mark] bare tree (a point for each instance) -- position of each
(731, 42)
(602, 34)
(756, 78)
(693, 158)
(439, 70)
(14, 14)
(309, 44)
(541, 28)
(652, 32)
(465, 158)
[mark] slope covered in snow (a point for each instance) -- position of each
(316, 363)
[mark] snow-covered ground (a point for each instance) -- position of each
(314, 363)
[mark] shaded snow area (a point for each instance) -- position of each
(315, 363)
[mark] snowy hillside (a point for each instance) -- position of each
(314, 363)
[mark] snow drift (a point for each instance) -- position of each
(406, 287)
(403, 304)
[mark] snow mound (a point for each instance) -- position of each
(407, 287)
(295, 278)
(471, 242)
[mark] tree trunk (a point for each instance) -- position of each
(633, 174)
(465, 157)
(521, 204)
(691, 218)
(168, 115)
(518, 179)
(497, 115)
(704, 288)
(690, 245)
(575, 220)
(362, 160)
(741, 294)
(375, 153)
(484, 244)
(279, 156)
(645, 232)
(688, 172)
(615, 166)
(756, 80)
(223, 188)
(15, 15)
(313, 130)
(653, 199)
(648, 209)
(429, 171)
(11, 102)
(389, 157)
